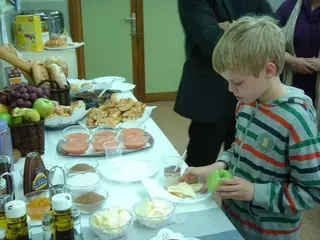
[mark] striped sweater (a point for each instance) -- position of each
(277, 149)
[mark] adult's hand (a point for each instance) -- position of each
(224, 25)
(301, 65)
(315, 62)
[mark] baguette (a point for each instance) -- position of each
(27, 75)
(14, 60)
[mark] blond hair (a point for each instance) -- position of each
(248, 45)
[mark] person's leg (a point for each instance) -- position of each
(205, 142)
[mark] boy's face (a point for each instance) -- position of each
(246, 88)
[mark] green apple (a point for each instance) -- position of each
(7, 117)
(214, 178)
(44, 107)
(31, 115)
(17, 120)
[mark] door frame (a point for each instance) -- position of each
(138, 66)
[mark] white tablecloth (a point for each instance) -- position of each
(121, 195)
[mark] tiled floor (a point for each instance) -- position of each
(176, 129)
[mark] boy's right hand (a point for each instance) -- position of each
(192, 174)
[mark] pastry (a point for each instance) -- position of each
(53, 43)
(77, 104)
(74, 87)
(86, 85)
(124, 104)
(182, 190)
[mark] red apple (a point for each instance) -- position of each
(43, 106)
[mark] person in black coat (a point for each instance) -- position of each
(203, 94)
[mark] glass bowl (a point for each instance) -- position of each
(75, 140)
(81, 166)
(81, 201)
(38, 204)
(83, 182)
(155, 213)
(101, 135)
(136, 141)
(131, 129)
(111, 215)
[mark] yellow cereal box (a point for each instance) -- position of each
(28, 33)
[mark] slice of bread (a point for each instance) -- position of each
(182, 190)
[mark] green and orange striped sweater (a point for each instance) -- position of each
(278, 150)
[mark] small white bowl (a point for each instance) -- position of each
(112, 233)
(156, 222)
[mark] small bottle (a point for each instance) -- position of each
(35, 174)
(77, 224)
(2, 234)
(5, 197)
(48, 227)
(16, 214)
(62, 207)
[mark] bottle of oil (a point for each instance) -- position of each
(62, 207)
(5, 197)
(16, 214)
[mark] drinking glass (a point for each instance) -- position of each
(171, 170)
(113, 149)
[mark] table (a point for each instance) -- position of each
(126, 195)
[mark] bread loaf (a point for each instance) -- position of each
(60, 62)
(57, 75)
(39, 72)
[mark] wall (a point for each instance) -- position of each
(61, 5)
(164, 46)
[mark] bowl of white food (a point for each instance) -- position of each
(155, 213)
(110, 223)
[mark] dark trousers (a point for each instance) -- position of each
(206, 140)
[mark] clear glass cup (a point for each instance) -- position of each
(113, 149)
(171, 170)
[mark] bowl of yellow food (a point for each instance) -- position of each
(38, 204)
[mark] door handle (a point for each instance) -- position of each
(133, 21)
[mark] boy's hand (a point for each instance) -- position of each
(236, 189)
(315, 62)
(304, 66)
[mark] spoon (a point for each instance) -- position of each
(183, 160)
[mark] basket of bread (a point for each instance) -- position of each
(51, 73)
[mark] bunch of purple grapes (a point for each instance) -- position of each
(23, 95)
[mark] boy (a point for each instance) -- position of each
(275, 159)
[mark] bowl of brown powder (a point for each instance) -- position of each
(90, 202)
(81, 166)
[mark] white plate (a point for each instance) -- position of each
(70, 46)
(128, 169)
(122, 87)
(155, 189)
(109, 79)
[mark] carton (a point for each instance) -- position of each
(28, 33)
